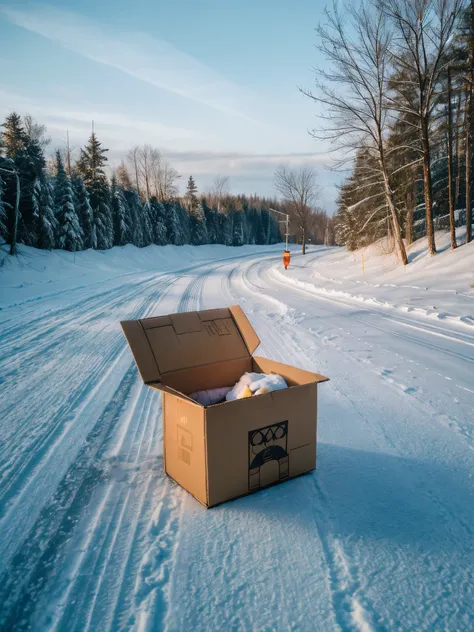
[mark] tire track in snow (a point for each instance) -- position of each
(342, 572)
(351, 605)
(459, 424)
(33, 468)
(428, 328)
(107, 602)
(37, 342)
(463, 429)
(30, 568)
(282, 339)
(70, 343)
(40, 326)
(146, 607)
(63, 420)
(351, 570)
(349, 613)
(26, 563)
(191, 298)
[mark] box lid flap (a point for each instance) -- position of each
(163, 344)
(248, 332)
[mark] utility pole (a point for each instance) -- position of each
(17, 208)
(287, 224)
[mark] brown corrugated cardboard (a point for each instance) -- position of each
(233, 448)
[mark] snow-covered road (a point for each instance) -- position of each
(93, 536)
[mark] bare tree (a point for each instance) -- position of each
(152, 173)
(123, 176)
(352, 93)
(452, 224)
(132, 158)
(165, 178)
(469, 113)
(219, 190)
(36, 131)
(146, 158)
(300, 191)
(423, 30)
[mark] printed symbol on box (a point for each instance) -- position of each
(185, 445)
(267, 444)
(217, 328)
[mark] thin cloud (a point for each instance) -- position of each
(153, 61)
(67, 117)
(231, 162)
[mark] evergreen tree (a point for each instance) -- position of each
(46, 223)
(227, 228)
(212, 222)
(90, 168)
(69, 234)
(33, 168)
(198, 226)
(136, 218)
(83, 210)
(147, 219)
(160, 236)
(259, 231)
(191, 195)
(184, 222)
(120, 215)
(238, 235)
(173, 221)
(13, 136)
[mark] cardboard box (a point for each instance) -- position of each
(234, 448)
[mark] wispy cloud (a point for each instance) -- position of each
(145, 58)
(61, 116)
(232, 162)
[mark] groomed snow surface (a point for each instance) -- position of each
(94, 536)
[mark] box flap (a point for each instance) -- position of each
(248, 332)
(292, 375)
(164, 344)
(136, 338)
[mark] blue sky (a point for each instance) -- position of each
(213, 84)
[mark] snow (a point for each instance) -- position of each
(94, 536)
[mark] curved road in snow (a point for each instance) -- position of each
(93, 536)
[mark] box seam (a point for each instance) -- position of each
(205, 458)
(163, 425)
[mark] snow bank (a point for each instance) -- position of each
(439, 287)
(38, 273)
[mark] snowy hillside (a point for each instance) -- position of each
(93, 536)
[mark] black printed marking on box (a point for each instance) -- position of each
(266, 444)
(217, 328)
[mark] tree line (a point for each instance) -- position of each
(74, 205)
(396, 98)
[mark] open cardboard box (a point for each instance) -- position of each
(234, 448)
